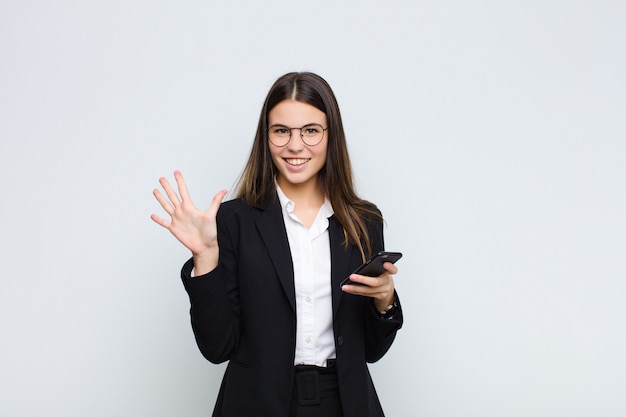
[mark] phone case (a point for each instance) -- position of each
(373, 267)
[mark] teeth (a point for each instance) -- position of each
(296, 161)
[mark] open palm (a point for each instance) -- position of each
(194, 228)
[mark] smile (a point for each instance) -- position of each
(297, 161)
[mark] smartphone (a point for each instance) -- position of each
(373, 267)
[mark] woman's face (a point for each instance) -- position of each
(297, 162)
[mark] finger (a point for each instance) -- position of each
(350, 289)
(356, 289)
(391, 268)
(363, 290)
(160, 221)
(171, 194)
(167, 206)
(215, 203)
(182, 187)
(369, 281)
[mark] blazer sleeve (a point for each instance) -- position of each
(214, 298)
(379, 332)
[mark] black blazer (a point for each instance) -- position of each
(244, 312)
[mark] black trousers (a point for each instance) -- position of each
(315, 392)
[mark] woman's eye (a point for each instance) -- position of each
(281, 131)
(311, 130)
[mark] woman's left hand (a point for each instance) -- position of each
(379, 288)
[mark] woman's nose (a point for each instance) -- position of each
(296, 142)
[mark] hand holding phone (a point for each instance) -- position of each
(373, 267)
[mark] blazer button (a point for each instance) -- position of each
(340, 340)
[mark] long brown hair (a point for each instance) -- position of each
(335, 178)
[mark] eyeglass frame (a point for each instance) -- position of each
(324, 129)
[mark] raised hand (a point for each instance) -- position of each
(195, 229)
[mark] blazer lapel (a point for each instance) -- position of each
(272, 229)
(339, 260)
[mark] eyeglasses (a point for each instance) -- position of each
(311, 134)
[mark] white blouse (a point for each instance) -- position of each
(310, 252)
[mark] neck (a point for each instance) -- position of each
(306, 194)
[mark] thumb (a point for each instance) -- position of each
(215, 203)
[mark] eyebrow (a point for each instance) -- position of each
(306, 124)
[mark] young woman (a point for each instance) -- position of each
(265, 273)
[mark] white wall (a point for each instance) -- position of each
(490, 133)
